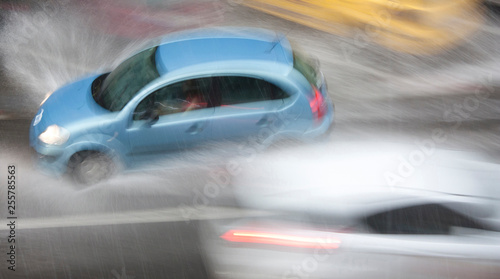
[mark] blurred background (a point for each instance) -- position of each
(398, 71)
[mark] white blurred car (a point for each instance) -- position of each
(351, 212)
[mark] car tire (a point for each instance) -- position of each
(91, 167)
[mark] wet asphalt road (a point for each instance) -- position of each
(170, 249)
(162, 249)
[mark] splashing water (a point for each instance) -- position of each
(42, 52)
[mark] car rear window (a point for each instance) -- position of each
(306, 67)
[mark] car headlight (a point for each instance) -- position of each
(54, 135)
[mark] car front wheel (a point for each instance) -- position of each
(90, 167)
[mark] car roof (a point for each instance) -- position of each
(222, 45)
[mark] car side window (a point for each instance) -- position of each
(238, 90)
(178, 97)
(421, 219)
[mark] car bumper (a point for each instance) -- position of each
(50, 163)
(50, 160)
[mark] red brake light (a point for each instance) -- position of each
(317, 104)
(322, 241)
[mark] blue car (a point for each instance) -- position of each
(195, 87)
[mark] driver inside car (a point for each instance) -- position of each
(194, 97)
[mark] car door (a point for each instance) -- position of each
(246, 108)
(422, 241)
(171, 119)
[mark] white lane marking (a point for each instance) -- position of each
(134, 217)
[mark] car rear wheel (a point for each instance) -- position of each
(91, 167)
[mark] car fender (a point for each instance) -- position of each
(98, 142)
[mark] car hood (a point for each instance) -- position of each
(68, 105)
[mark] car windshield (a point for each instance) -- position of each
(123, 83)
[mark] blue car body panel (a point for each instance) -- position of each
(70, 104)
(201, 53)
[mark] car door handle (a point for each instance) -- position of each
(264, 121)
(195, 129)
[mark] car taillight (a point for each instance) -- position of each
(318, 239)
(317, 104)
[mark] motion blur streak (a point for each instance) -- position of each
(449, 100)
(440, 221)
(417, 27)
(280, 239)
